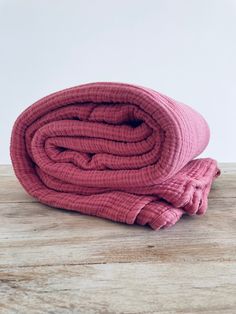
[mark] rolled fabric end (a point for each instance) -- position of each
(112, 150)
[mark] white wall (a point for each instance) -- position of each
(183, 48)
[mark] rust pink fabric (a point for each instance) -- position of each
(117, 151)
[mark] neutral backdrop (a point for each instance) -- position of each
(183, 48)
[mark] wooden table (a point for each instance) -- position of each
(56, 261)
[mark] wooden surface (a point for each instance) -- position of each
(55, 261)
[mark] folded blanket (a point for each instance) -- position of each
(117, 151)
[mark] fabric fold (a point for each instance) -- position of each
(117, 151)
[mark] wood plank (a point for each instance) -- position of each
(228, 167)
(224, 186)
(34, 234)
(200, 287)
(57, 261)
(12, 191)
(6, 170)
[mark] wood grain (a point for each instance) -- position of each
(56, 261)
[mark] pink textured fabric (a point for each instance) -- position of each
(117, 151)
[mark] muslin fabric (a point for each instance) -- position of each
(117, 151)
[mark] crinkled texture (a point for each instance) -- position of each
(117, 151)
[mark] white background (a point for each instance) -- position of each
(183, 48)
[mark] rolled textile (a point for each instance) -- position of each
(117, 151)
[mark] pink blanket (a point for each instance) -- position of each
(117, 151)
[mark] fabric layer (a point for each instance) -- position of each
(116, 151)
